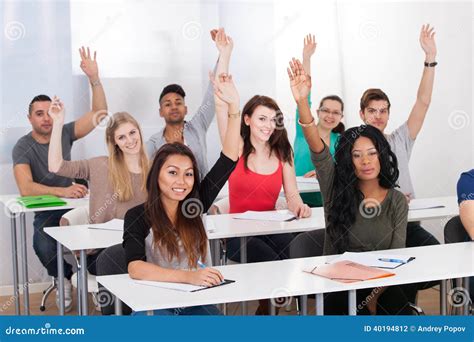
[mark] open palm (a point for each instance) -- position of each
(427, 40)
(300, 83)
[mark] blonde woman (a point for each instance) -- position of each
(117, 182)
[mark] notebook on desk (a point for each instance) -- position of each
(389, 261)
(43, 201)
(346, 271)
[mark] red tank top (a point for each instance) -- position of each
(253, 191)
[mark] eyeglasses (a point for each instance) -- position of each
(374, 111)
(327, 111)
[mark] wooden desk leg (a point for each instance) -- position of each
(319, 304)
(59, 254)
(243, 260)
(442, 297)
(24, 263)
(84, 291)
(118, 306)
(352, 302)
(16, 290)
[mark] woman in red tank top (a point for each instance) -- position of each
(265, 165)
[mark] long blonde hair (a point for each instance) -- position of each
(118, 171)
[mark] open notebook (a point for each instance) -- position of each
(348, 272)
(389, 261)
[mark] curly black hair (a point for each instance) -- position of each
(346, 192)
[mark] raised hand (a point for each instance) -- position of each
(89, 64)
(309, 46)
(56, 110)
(427, 42)
(300, 83)
(225, 90)
(224, 43)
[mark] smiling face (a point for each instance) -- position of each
(176, 177)
(172, 108)
(330, 114)
(127, 138)
(262, 123)
(39, 118)
(376, 114)
(365, 159)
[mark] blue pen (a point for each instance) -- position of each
(392, 260)
(201, 265)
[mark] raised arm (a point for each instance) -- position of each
(86, 123)
(300, 84)
(224, 45)
(425, 89)
(309, 47)
(55, 151)
(225, 90)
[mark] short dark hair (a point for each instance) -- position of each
(373, 94)
(38, 98)
(172, 88)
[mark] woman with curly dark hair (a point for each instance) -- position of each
(363, 210)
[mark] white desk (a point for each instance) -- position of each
(303, 187)
(13, 210)
(285, 278)
(225, 226)
(80, 238)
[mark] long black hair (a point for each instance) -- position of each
(189, 227)
(347, 196)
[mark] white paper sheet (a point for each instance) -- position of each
(114, 224)
(278, 216)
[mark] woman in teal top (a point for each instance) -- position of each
(330, 114)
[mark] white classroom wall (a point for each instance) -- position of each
(142, 46)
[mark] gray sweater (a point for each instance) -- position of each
(383, 229)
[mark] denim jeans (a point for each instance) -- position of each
(201, 310)
(44, 245)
